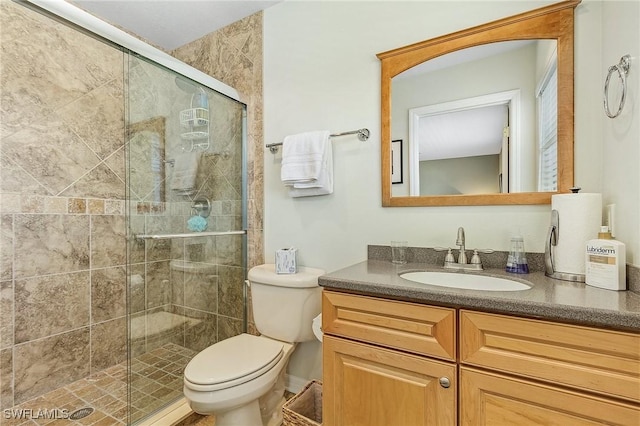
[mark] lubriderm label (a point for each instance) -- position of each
(605, 255)
(604, 250)
(605, 263)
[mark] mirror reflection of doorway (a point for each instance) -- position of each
(467, 159)
(465, 146)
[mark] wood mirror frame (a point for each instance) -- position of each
(551, 22)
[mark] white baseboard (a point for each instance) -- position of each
(295, 384)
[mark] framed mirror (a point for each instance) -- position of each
(486, 113)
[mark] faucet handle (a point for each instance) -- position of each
(449, 257)
(475, 259)
(475, 251)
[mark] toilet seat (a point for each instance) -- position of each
(232, 362)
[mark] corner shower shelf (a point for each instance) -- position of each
(195, 126)
(194, 117)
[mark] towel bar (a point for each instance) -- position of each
(363, 135)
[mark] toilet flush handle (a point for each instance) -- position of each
(247, 283)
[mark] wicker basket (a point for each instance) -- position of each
(305, 408)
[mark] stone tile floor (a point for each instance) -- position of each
(156, 379)
(198, 420)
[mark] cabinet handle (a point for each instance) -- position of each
(445, 382)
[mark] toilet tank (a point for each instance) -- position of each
(284, 305)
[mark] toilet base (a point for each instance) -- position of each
(246, 415)
(276, 416)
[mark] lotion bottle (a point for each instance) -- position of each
(606, 262)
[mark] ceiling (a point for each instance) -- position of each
(442, 137)
(169, 24)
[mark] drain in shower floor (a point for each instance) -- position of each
(81, 413)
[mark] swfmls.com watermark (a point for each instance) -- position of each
(46, 413)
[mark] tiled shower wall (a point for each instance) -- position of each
(62, 264)
(62, 204)
(63, 254)
(233, 55)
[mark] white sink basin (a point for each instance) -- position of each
(465, 281)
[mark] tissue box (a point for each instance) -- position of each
(286, 261)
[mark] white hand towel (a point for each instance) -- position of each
(302, 156)
(323, 185)
(185, 170)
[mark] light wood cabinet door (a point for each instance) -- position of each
(365, 385)
(488, 399)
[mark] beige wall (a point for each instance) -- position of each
(620, 136)
(467, 175)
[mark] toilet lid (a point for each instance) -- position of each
(234, 361)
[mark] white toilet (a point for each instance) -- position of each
(240, 380)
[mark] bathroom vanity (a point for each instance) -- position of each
(396, 352)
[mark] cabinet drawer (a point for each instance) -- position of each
(425, 330)
(491, 399)
(592, 359)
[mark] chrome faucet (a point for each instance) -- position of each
(462, 256)
(450, 262)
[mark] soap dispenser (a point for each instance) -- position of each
(517, 260)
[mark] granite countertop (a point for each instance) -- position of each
(548, 298)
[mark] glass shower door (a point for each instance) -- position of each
(186, 216)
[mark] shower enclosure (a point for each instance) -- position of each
(123, 205)
(185, 171)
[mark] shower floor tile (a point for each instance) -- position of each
(156, 380)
